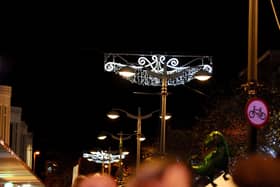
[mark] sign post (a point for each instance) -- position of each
(257, 112)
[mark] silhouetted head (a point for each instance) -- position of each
(98, 180)
(257, 170)
(78, 180)
(162, 172)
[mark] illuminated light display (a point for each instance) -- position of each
(103, 157)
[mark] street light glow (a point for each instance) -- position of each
(125, 152)
(102, 137)
(37, 152)
(113, 115)
(167, 116)
(126, 72)
(202, 76)
(142, 138)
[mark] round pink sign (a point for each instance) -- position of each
(257, 112)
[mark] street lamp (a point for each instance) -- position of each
(167, 116)
(161, 70)
(139, 117)
(35, 154)
(120, 137)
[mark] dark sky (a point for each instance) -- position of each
(54, 61)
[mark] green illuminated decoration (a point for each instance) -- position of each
(216, 159)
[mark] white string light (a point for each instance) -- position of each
(149, 72)
(103, 157)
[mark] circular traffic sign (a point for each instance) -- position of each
(257, 112)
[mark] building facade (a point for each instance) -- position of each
(20, 139)
(5, 110)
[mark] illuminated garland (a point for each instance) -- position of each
(150, 72)
(103, 157)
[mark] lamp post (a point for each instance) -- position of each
(252, 75)
(252, 86)
(139, 117)
(35, 154)
(161, 70)
(120, 137)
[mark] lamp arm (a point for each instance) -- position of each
(275, 13)
(135, 116)
(114, 137)
(110, 134)
(128, 137)
(127, 113)
(149, 115)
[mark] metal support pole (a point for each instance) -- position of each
(138, 136)
(34, 161)
(163, 111)
(120, 162)
(103, 165)
(110, 160)
(252, 62)
(109, 167)
(139, 119)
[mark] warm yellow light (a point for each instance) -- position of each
(202, 75)
(142, 138)
(36, 152)
(102, 137)
(113, 115)
(203, 78)
(125, 152)
(127, 72)
(167, 116)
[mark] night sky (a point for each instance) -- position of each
(54, 62)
